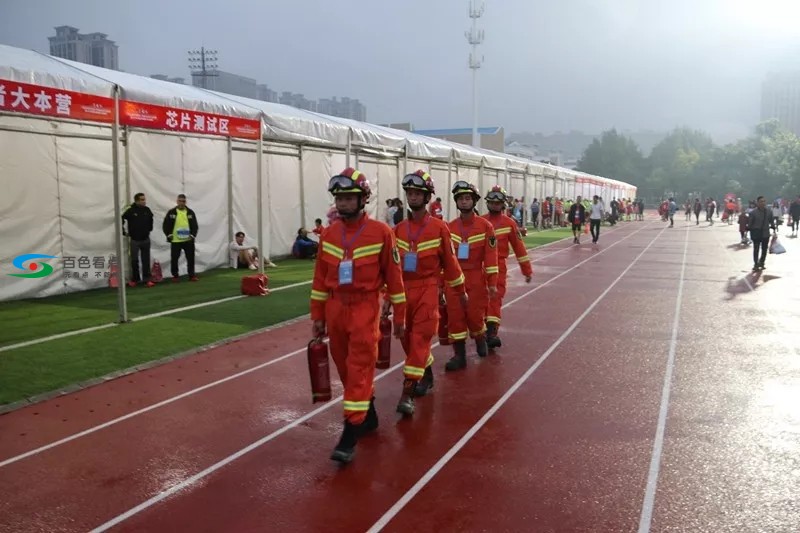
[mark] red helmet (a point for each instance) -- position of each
(497, 194)
(462, 187)
(419, 180)
(350, 180)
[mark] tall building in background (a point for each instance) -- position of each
(345, 108)
(225, 82)
(780, 98)
(91, 48)
(163, 77)
(297, 100)
(266, 94)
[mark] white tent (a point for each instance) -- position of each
(66, 178)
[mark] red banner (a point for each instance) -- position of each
(52, 102)
(167, 118)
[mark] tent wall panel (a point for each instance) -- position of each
(245, 201)
(87, 208)
(281, 201)
(205, 178)
(318, 167)
(156, 170)
(28, 212)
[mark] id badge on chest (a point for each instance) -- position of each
(410, 262)
(463, 250)
(346, 272)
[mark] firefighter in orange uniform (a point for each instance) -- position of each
(357, 257)
(476, 246)
(426, 250)
(507, 232)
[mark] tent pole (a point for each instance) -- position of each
(349, 145)
(259, 165)
(122, 304)
(230, 188)
(302, 191)
(449, 182)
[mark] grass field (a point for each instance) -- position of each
(51, 365)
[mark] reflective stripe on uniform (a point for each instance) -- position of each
(356, 406)
(413, 371)
(319, 296)
(476, 238)
(399, 298)
(429, 245)
(503, 231)
(332, 249)
(523, 259)
(403, 245)
(366, 251)
(493, 270)
(430, 360)
(456, 282)
(495, 319)
(459, 336)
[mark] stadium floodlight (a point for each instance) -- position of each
(475, 37)
(203, 64)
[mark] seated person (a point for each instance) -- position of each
(242, 255)
(304, 248)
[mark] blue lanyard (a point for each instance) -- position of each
(412, 241)
(345, 243)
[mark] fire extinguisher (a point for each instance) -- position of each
(444, 339)
(385, 346)
(319, 370)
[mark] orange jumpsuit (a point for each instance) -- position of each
(352, 310)
(480, 272)
(430, 240)
(507, 232)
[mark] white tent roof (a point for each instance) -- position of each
(27, 66)
(281, 122)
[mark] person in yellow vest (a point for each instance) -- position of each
(180, 227)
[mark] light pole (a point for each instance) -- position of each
(475, 37)
(203, 64)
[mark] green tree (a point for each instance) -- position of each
(679, 163)
(614, 156)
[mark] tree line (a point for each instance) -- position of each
(688, 163)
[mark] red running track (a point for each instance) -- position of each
(558, 431)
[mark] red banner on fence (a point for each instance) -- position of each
(167, 118)
(49, 101)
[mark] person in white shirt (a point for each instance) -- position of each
(595, 217)
(244, 255)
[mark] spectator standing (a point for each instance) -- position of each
(180, 227)
(760, 222)
(137, 223)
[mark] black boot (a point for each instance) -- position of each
(480, 345)
(459, 359)
(425, 384)
(492, 340)
(406, 403)
(346, 448)
(371, 422)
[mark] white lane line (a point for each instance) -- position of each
(436, 468)
(221, 463)
(191, 392)
(658, 443)
(188, 308)
(137, 319)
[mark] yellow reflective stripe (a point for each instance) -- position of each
(502, 231)
(492, 270)
(493, 319)
(320, 296)
(429, 245)
(356, 406)
(460, 336)
(456, 282)
(355, 175)
(333, 250)
(366, 251)
(398, 298)
(523, 258)
(477, 238)
(403, 245)
(456, 238)
(413, 371)
(479, 332)
(430, 360)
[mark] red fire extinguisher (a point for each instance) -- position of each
(385, 346)
(320, 371)
(444, 339)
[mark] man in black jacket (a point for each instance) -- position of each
(577, 215)
(137, 223)
(180, 227)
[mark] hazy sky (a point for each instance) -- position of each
(549, 65)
